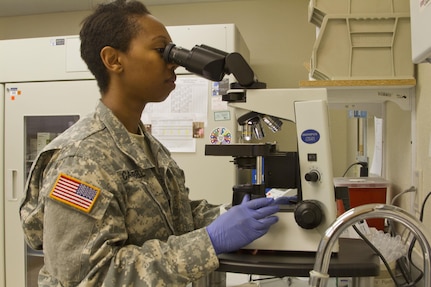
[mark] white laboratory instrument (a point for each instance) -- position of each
(302, 228)
(299, 228)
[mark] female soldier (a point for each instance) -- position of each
(104, 200)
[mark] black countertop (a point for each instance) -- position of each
(354, 259)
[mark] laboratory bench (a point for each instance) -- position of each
(355, 259)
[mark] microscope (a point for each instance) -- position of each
(308, 170)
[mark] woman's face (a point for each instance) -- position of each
(146, 76)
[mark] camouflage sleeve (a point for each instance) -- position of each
(181, 260)
(86, 249)
(204, 213)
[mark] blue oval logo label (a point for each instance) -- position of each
(310, 136)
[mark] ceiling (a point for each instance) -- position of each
(10, 8)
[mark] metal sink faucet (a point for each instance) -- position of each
(319, 276)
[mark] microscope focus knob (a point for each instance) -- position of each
(308, 214)
(312, 176)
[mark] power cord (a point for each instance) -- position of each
(413, 242)
(363, 171)
(368, 242)
(405, 264)
(411, 189)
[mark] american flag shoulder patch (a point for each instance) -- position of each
(74, 192)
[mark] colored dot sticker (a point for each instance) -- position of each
(220, 136)
(13, 92)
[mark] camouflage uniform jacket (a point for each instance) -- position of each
(137, 227)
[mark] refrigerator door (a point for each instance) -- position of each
(35, 113)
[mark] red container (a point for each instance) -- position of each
(364, 190)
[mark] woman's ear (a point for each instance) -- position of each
(110, 57)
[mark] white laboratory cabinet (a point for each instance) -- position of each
(33, 117)
(45, 87)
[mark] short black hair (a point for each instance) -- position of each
(114, 24)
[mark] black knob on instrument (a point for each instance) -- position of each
(312, 176)
(308, 214)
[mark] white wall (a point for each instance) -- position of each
(276, 31)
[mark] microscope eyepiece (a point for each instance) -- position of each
(202, 60)
(174, 54)
(213, 64)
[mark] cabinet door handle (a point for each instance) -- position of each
(10, 184)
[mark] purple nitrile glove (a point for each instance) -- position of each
(242, 224)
